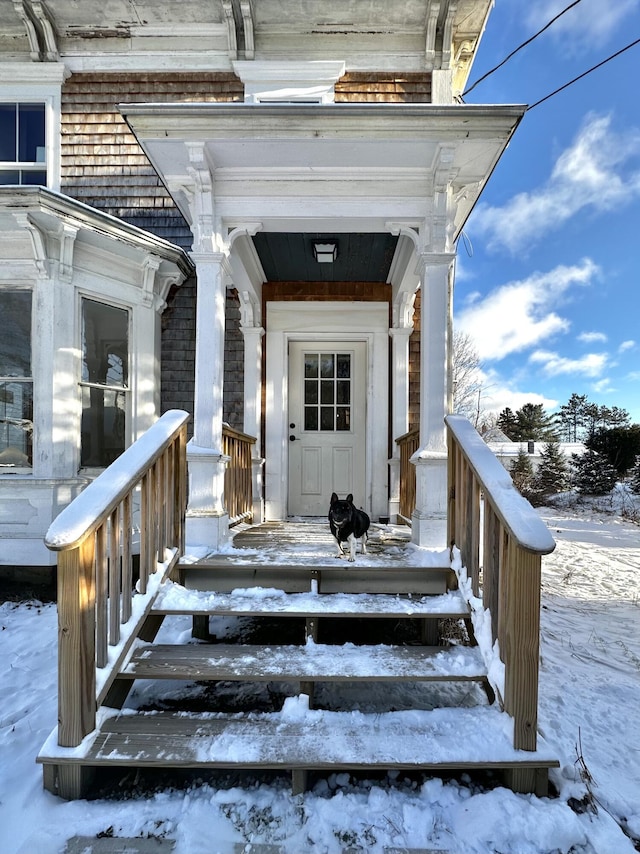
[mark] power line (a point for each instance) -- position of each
(524, 44)
(584, 74)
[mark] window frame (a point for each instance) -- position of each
(25, 166)
(38, 83)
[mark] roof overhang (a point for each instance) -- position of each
(344, 167)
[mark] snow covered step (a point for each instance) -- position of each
(224, 574)
(301, 739)
(258, 601)
(309, 663)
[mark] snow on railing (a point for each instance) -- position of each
(501, 539)
(100, 609)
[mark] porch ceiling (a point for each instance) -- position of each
(288, 257)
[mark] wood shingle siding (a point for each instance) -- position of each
(102, 163)
(387, 87)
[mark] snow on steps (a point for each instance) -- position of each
(300, 739)
(310, 663)
(256, 601)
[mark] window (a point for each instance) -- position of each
(16, 383)
(22, 144)
(104, 383)
(327, 391)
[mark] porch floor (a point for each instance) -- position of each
(297, 538)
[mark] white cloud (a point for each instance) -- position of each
(589, 24)
(519, 315)
(590, 174)
(592, 337)
(591, 365)
(497, 394)
(626, 345)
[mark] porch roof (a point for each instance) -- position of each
(341, 168)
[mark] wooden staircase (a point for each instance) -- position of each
(301, 737)
(109, 622)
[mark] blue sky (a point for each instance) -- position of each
(548, 278)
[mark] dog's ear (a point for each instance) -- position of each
(350, 498)
(334, 498)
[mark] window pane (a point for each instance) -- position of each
(39, 177)
(8, 133)
(9, 176)
(31, 133)
(310, 418)
(344, 365)
(344, 391)
(326, 365)
(326, 391)
(16, 425)
(326, 418)
(343, 418)
(310, 391)
(311, 364)
(105, 352)
(15, 340)
(103, 426)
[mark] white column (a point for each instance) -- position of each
(400, 409)
(428, 523)
(252, 409)
(207, 521)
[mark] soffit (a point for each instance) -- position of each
(412, 34)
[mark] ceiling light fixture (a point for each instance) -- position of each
(325, 253)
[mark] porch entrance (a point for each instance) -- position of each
(327, 424)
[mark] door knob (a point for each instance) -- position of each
(292, 438)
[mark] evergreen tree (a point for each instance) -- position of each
(522, 473)
(508, 423)
(593, 474)
(634, 477)
(620, 445)
(572, 417)
(552, 475)
(534, 423)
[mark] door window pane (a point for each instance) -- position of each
(311, 365)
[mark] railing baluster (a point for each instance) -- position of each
(127, 569)
(102, 593)
(145, 546)
(114, 576)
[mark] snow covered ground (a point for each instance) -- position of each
(589, 716)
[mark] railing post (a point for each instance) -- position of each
(522, 646)
(76, 644)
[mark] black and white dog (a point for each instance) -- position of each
(348, 524)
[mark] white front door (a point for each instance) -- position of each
(327, 424)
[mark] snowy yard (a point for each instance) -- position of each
(589, 716)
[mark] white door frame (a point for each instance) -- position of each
(326, 321)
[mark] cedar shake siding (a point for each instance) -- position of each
(388, 88)
(103, 166)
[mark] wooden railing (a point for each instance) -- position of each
(238, 476)
(501, 539)
(408, 445)
(101, 608)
